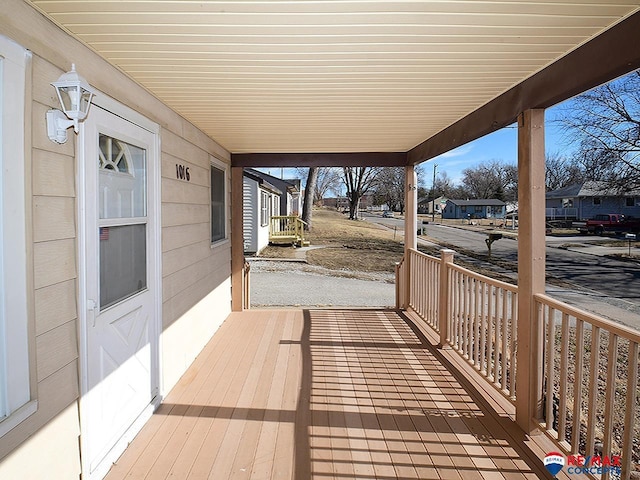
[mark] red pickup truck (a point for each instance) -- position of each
(611, 222)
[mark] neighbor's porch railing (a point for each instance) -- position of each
(286, 229)
(561, 213)
(596, 396)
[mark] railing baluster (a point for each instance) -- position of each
(469, 318)
(513, 341)
(630, 414)
(593, 390)
(490, 334)
(551, 333)
(496, 358)
(457, 288)
(464, 319)
(467, 288)
(483, 331)
(478, 310)
(610, 398)
(450, 279)
(564, 367)
(504, 327)
(577, 387)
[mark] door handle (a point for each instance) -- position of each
(91, 309)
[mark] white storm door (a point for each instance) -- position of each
(120, 375)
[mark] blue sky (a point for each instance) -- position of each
(501, 145)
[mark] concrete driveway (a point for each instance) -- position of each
(278, 284)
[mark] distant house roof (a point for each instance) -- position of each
(291, 185)
(440, 199)
(260, 177)
(590, 188)
(491, 202)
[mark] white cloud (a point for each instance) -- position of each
(457, 152)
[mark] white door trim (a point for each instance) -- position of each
(154, 199)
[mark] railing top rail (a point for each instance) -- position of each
(610, 326)
(483, 278)
(417, 252)
(288, 217)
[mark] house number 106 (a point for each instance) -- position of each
(182, 172)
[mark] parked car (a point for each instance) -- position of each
(387, 214)
(610, 222)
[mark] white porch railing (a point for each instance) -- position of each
(424, 286)
(482, 325)
(590, 402)
(594, 397)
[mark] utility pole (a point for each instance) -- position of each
(433, 194)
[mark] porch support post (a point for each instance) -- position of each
(446, 258)
(531, 266)
(410, 224)
(237, 241)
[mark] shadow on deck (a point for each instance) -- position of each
(325, 394)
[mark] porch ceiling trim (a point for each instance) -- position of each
(361, 159)
(609, 55)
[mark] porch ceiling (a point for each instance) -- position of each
(336, 75)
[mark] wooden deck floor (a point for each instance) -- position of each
(322, 394)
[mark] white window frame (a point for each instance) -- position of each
(265, 202)
(16, 402)
(215, 163)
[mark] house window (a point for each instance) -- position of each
(630, 201)
(15, 394)
(478, 209)
(597, 201)
(463, 208)
(218, 206)
(265, 202)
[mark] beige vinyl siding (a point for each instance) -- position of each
(191, 267)
(196, 287)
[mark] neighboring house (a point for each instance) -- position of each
(426, 205)
(260, 201)
(339, 203)
(482, 208)
(582, 201)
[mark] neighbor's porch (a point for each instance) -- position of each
(349, 393)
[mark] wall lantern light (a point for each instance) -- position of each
(75, 96)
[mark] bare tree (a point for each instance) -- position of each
(328, 181)
(358, 181)
(309, 195)
(605, 125)
(562, 171)
(492, 179)
(389, 188)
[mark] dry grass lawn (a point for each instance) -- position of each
(348, 245)
(360, 246)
